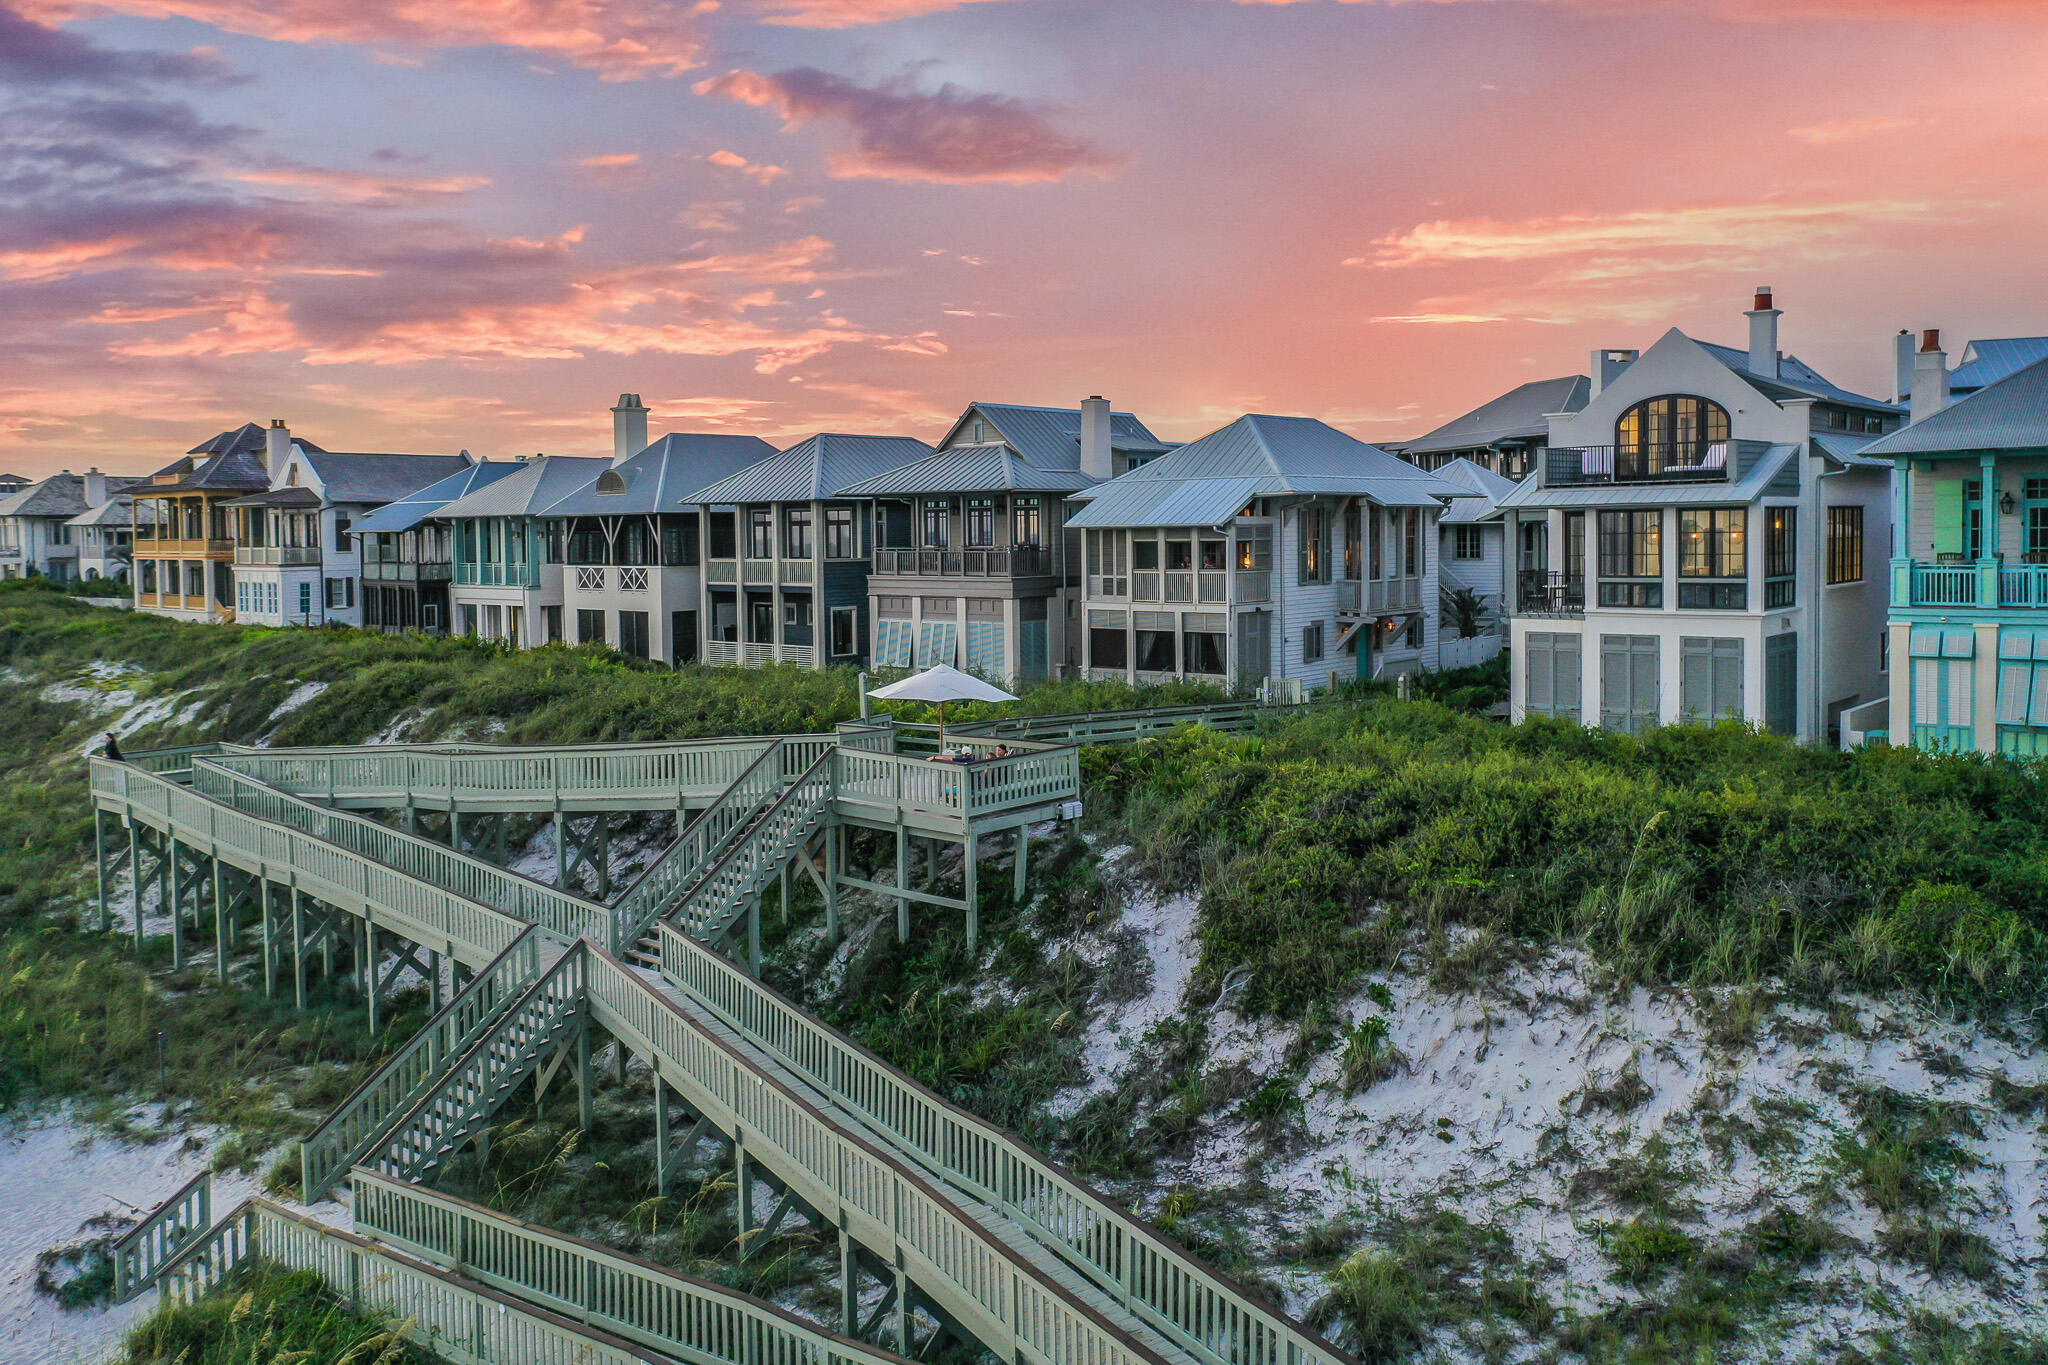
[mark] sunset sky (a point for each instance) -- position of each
(430, 224)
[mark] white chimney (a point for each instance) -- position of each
(1095, 457)
(277, 448)
(629, 428)
(1763, 335)
(1930, 376)
(1608, 364)
(95, 488)
(1902, 366)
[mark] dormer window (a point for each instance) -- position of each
(611, 481)
(1676, 431)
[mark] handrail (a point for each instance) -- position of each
(713, 924)
(365, 1114)
(1153, 1275)
(648, 898)
(635, 1299)
(457, 1317)
(140, 1254)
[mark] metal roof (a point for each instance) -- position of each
(971, 469)
(60, 495)
(1530, 495)
(532, 487)
(1488, 486)
(1051, 437)
(118, 510)
(821, 466)
(1844, 447)
(1258, 455)
(1992, 359)
(415, 507)
(1795, 379)
(363, 476)
(277, 497)
(2009, 415)
(665, 476)
(1520, 413)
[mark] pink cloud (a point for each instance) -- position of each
(897, 132)
(756, 171)
(357, 186)
(1848, 130)
(610, 160)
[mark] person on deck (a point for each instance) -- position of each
(112, 748)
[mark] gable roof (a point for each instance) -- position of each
(1051, 437)
(665, 476)
(973, 469)
(362, 476)
(821, 466)
(1486, 489)
(415, 507)
(533, 486)
(2011, 414)
(1795, 379)
(1520, 413)
(1987, 361)
(60, 495)
(1206, 482)
(118, 510)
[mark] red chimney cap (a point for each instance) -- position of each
(1763, 298)
(1930, 340)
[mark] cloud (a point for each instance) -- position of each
(619, 39)
(356, 186)
(1746, 229)
(761, 174)
(947, 136)
(850, 13)
(712, 216)
(34, 54)
(1848, 130)
(610, 160)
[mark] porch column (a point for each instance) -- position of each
(1902, 546)
(1987, 564)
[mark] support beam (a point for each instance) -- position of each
(663, 1158)
(298, 949)
(99, 865)
(269, 939)
(902, 885)
(969, 848)
(135, 877)
(1018, 864)
(176, 903)
(584, 1086)
(220, 923)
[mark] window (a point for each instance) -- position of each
(550, 623)
(1673, 431)
(1108, 648)
(1413, 636)
(1845, 544)
(796, 532)
(1411, 541)
(1155, 651)
(1466, 543)
(760, 533)
(334, 592)
(1028, 530)
(306, 599)
(981, 522)
(341, 540)
(589, 627)
(1202, 652)
(1973, 519)
(938, 518)
(1631, 545)
(1312, 642)
(796, 611)
(1781, 556)
(724, 538)
(1551, 681)
(845, 623)
(1314, 551)
(839, 539)
(2035, 549)
(469, 616)
(1710, 542)
(632, 633)
(1709, 677)
(679, 541)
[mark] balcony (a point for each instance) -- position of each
(277, 554)
(751, 652)
(1680, 462)
(169, 547)
(1008, 562)
(398, 571)
(498, 575)
(1540, 593)
(1377, 595)
(1970, 585)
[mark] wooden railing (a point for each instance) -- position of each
(682, 863)
(140, 1254)
(674, 1313)
(721, 891)
(1944, 585)
(459, 1319)
(1149, 1274)
(366, 1114)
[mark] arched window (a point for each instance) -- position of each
(1676, 430)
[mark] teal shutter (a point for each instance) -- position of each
(985, 648)
(1948, 516)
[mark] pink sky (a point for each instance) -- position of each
(407, 225)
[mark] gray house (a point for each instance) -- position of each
(1507, 435)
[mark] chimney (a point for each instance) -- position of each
(1608, 364)
(1930, 376)
(1902, 366)
(629, 428)
(1095, 458)
(1763, 335)
(277, 448)
(95, 488)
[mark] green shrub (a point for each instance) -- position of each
(270, 1316)
(1376, 1307)
(1645, 1249)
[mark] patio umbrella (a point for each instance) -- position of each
(941, 684)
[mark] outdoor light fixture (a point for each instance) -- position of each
(2005, 504)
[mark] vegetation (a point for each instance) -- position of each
(269, 1316)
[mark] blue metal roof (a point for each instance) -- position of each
(1992, 359)
(971, 469)
(1530, 495)
(1795, 378)
(2009, 415)
(665, 476)
(416, 507)
(535, 485)
(822, 466)
(1520, 413)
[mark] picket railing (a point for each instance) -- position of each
(1151, 1275)
(720, 893)
(682, 863)
(140, 1254)
(365, 1116)
(458, 1319)
(674, 1313)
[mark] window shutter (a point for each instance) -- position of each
(1614, 689)
(1727, 689)
(1541, 681)
(1696, 678)
(1927, 691)
(1570, 700)
(1948, 517)
(1643, 699)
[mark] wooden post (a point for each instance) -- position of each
(298, 950)
(782, 894)
(220, 924)
(662, 1156)
(269, 940)
(902, 1310)
(754, 935)
(99, 864)
(561, 844)
(370, 969)
(1017, 872)
(434, 980)
(177, 904)
(583, 1086)
(849, 1282)
(743, 1198)
(834, 861)
(902, 883)
(968, 849)
(135, 876)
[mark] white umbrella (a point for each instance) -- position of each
(941, 684)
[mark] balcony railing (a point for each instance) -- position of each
(1679, 462)
(751, 652)
(498, 575)
(172, 547)
(632, 578)
(403, 571)
(1542, 593)
(1944, 585)
(2023, 585)
(590, 578)
(277, 554)
(1010, 562)
(1968, 585)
